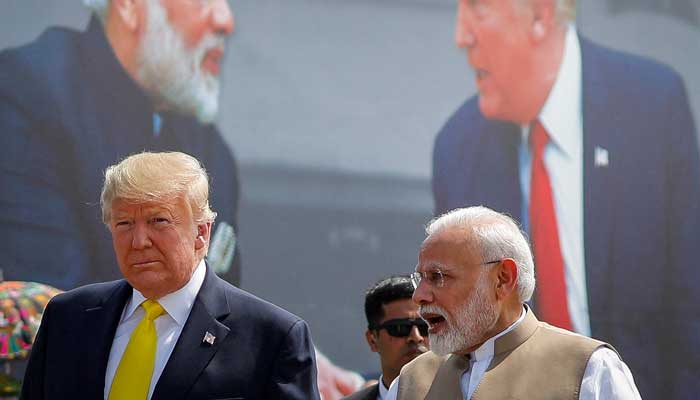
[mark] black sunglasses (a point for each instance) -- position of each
(401, 327)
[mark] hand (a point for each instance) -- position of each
(335, 382)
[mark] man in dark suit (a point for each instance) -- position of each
(171, 329)
(595, 152)
(144, 75)
(395, 331)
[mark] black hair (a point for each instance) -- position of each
(387, 290)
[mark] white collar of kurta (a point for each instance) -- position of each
(178, 303)
(563, 105)
(486, 350)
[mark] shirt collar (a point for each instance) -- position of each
(178, 303)
(486, 350)
(383, 390)
(563, 105)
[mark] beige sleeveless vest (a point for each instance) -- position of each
(533, 361)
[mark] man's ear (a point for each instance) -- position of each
(506, 278)
(544, 18)
(371, 340)
(131, 13)
(203, 233)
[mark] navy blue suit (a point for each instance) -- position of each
(641, 212)
(67, 111)
(260, 352)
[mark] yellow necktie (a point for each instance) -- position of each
(133, 376)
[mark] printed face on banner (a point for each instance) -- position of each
(181, 53)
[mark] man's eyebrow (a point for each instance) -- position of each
(431, 266)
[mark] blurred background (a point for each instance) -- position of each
(331, 107)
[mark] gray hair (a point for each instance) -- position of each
(566, 10)
(159, 177)
(495, 236)
(99, 7)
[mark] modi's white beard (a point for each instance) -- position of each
(471, 322)
(172, 73)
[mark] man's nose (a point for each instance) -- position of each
(464, 37)
(222, 17)
(415, 336)
(141, 238)
(422, 294)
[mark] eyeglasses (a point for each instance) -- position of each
(401, 327)
(436, 277)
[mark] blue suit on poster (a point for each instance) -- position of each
(641, 182)
(233, 345)
(67, 111)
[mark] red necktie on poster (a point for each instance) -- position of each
(551, 303)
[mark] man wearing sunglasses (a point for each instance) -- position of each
(475, 272)
(395, 331)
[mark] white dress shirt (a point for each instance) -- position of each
(168, 326)
(381, 395)
(606, 376)
(562, 118)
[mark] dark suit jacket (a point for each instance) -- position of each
(368, 393)
(67, 111)
(641, 212)
(260, 352)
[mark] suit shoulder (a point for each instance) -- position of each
(255, 309)
(568, 341)
(461, 125)
(85, 296)
(41, 73)
(368, 393)
(629, 71)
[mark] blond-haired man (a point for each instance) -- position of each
(171, 329)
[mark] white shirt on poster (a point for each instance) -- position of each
(562, 118)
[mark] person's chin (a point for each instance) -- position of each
(488, 106)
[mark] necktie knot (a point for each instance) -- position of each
(153, 309)
(538, 138)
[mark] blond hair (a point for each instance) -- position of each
(148, 177)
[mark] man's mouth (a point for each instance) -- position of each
(212, 60)
(480, 74)
(436, 322)
(144, 263)
(415, 350)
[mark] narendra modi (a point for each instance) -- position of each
(475, 272)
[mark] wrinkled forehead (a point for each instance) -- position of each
(446, 249)
(125, 206)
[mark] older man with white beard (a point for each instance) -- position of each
(475, 272)
(143, 76)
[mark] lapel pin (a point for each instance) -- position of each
(601, 158)
(209, 339)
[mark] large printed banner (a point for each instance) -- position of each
(619, 223)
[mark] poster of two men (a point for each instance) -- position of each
(341, 114)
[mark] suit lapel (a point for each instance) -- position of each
(599, 135)
(100, 322)
(192, 353)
